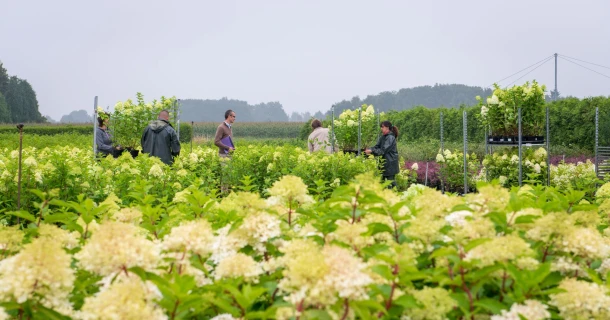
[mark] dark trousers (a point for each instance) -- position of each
(391, 178)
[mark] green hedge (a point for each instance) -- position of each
(186, 132)
(572, 123)
(264, 130)
(50, 129)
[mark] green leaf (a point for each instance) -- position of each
(407, 301)
(23, 215)
(475, 243)
(491, 305)
(526, 219)
(375, 228)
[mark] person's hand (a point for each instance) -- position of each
(118, 147)
(368, 151)
(231, 149)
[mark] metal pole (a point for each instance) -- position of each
(426, 181)
(94, 126)
(378, 123)
(359, 129)
(192, 131)
(20, 127)
(442, 150)
(177, 112)
(464, 115)
(442, 142)
(520, 160)
(556, 95)
(332, 128)
(596, 141)
(548, 148)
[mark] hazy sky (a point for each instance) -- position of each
(304, 54)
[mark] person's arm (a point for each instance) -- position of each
(380, 149)
(310, 143)
(143, 139)
(218, 137)
(99, 140)
(174, 143)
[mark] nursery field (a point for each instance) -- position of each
(276, 232)
(300, 236)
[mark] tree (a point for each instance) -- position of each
(5, 113)
(80, 116)
(22, 102)
(3, 79)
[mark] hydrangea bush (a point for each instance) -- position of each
(500, 110)
(366, 252)
(346, 128)
(129, 119)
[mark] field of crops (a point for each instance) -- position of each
(279, 233)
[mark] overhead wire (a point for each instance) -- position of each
(540, 65)
(595, 64)
(541, 61)
(585, 67)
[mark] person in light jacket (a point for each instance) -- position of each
(386, 147)
(319, 139)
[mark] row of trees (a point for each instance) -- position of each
(199, 110)
(18, 101)
(448, 95)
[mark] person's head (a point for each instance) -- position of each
(103, 119)
(164, 115)
(387, 126)
(315, 124)
(230, 116)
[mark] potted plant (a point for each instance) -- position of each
(130, 119)
(500, 113)
(346, 129)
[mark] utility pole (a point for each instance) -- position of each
(555, 94)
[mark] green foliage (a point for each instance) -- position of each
(129, 119)
(572, 123)
(186, 132)
(260, 130)
(5, 112)
(51, 129)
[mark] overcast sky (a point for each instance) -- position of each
(304, 54)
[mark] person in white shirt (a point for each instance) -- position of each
(319, 139)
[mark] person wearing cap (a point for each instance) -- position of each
(387, 149)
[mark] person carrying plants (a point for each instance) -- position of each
(103, 139)
(386, 147)
(319, 139)
(160, 139)
(224, 135)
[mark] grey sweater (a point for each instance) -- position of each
(103, 140)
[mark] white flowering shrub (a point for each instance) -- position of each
(346, 128)
(451, 170)
(500, 110)
(503, 165)
(129, 119)
(136, 245)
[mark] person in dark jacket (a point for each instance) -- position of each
(160, 139)
(103, 139)
(386, 148)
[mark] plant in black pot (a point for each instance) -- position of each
(500, 113)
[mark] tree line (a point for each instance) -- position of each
(18, 101)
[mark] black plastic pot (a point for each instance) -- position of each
(514, 140)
